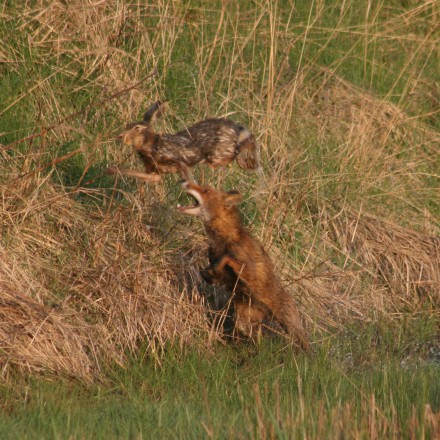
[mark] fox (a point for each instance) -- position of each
(216, 142)
(239, 262)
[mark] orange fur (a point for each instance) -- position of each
(238, 261)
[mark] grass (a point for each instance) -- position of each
(105, 330)
(267, 392)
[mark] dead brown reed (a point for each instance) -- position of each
(35, 337)
(75, 295)
(405, 261)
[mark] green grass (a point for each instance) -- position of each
(367, 385)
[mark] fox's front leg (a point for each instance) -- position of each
(237, 266)
(213, 274)
(210, 276)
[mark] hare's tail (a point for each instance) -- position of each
(248, 156)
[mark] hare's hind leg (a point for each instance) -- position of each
(185, 173)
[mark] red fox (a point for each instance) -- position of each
(216, 142)
(239, 261)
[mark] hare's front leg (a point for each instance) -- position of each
(146, 177)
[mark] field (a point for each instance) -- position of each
(108, 330)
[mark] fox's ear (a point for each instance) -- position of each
(233, 198)
(154, 112)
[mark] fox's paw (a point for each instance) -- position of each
(209, 276)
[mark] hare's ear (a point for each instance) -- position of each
(154, 112)
(233, 198)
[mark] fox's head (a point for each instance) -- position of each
(135, 133)
(210, 203)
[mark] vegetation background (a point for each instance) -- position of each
(104, 329)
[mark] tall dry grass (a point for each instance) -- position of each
(92, 270)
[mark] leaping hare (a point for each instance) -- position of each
(216, 142)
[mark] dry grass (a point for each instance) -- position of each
(75, 293)
(91, 273)
(405, 261)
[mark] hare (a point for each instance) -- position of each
(215, 141)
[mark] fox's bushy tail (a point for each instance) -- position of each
(289, 318)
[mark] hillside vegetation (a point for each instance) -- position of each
(344, 99)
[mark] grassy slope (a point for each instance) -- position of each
(285, 83)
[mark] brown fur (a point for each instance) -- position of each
(238, 261)
(216, 142)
